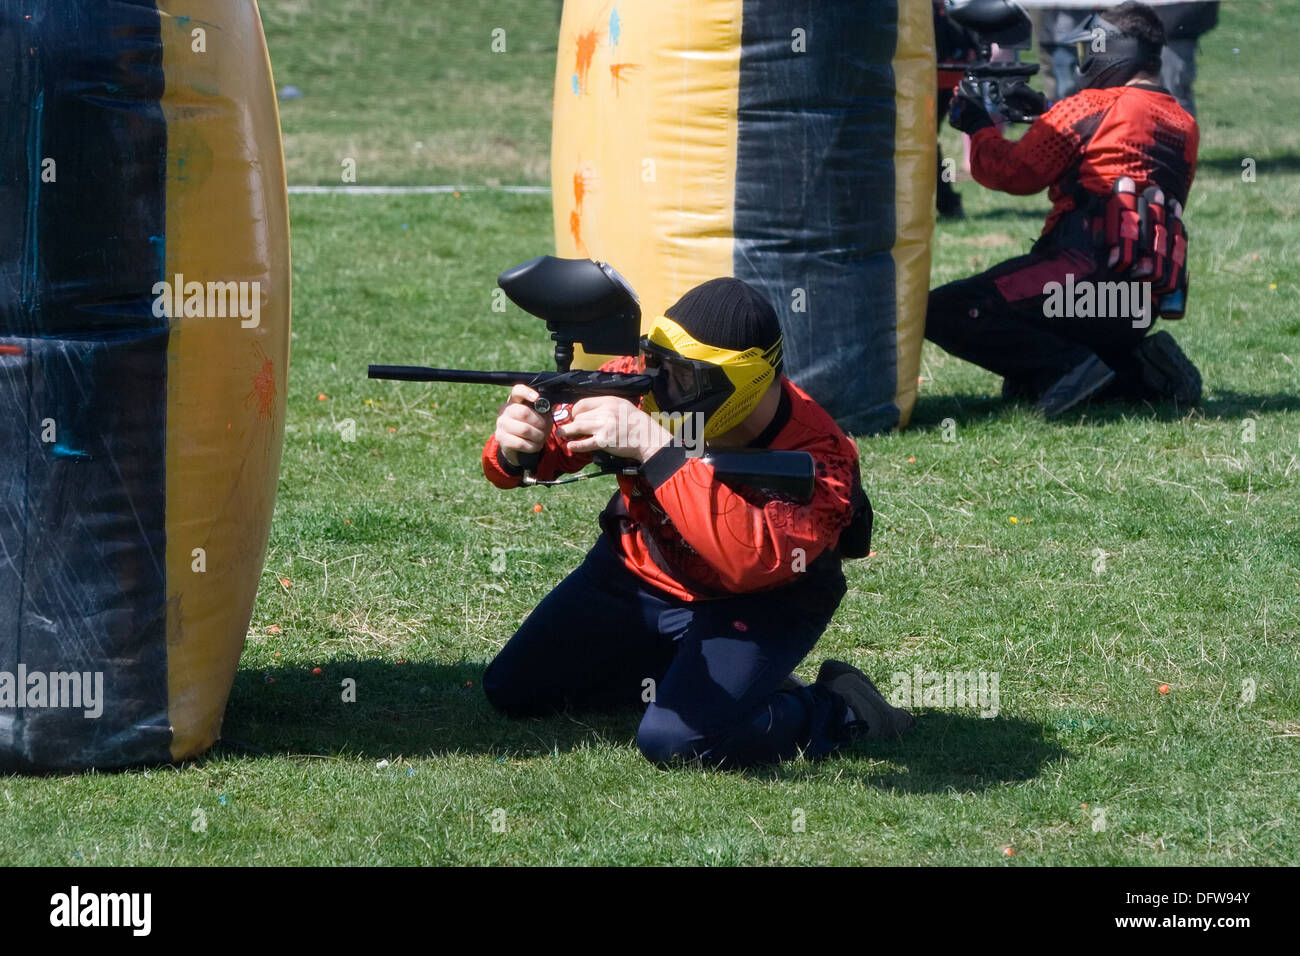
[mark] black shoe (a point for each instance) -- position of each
(791, 683)
(1019, 390)
(1167, 373)
(949, 207)
(873, 716)
(1075, 387)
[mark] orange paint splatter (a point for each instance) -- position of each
(617, 71)
(582, 60)
(579, 188)
(264, 389)
(575, 230)
(583, 179)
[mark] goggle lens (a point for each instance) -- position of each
(677, 383)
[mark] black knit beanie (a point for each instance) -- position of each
(727, 313)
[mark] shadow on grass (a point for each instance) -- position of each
(429, 709)
(417, 709)
(1285, 163)
(948, 751)
(931, 411)
(1229, 404)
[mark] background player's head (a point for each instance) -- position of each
(719, 351)
(1119, 45)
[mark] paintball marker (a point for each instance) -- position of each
(1000, 84)
(588, 303)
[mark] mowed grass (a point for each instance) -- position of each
(415, 90)
(1150, 547)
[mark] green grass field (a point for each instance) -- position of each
(1087, 561)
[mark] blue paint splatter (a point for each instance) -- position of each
(32, 249)
(577, 87)
(63, 451)
(615, 27)
(159, 244)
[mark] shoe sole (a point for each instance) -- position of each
(1086, 391)
(899, 720)
(1167, 371)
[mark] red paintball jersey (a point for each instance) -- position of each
(1087, 141)
(681, 530)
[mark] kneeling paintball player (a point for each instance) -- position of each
(1119, 157)
(698, 599)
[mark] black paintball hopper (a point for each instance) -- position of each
(581, 301)
(994, 21)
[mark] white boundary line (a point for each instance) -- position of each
(414, 190)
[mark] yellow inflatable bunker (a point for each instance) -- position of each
(144, 338)
(788, 144)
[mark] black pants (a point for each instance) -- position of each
(997, 320)
(709, 674)
(946, 197)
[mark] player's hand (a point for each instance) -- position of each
(1021, 102)
(521, 429)
(967, 112)
(613, 425)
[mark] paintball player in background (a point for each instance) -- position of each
(1061, 66)
(952, 45)
(1184, 25)
(1122, 123)
(697, 599)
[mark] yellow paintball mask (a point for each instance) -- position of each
(691, 378)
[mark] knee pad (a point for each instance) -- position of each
(662, 736)
(502, 693)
